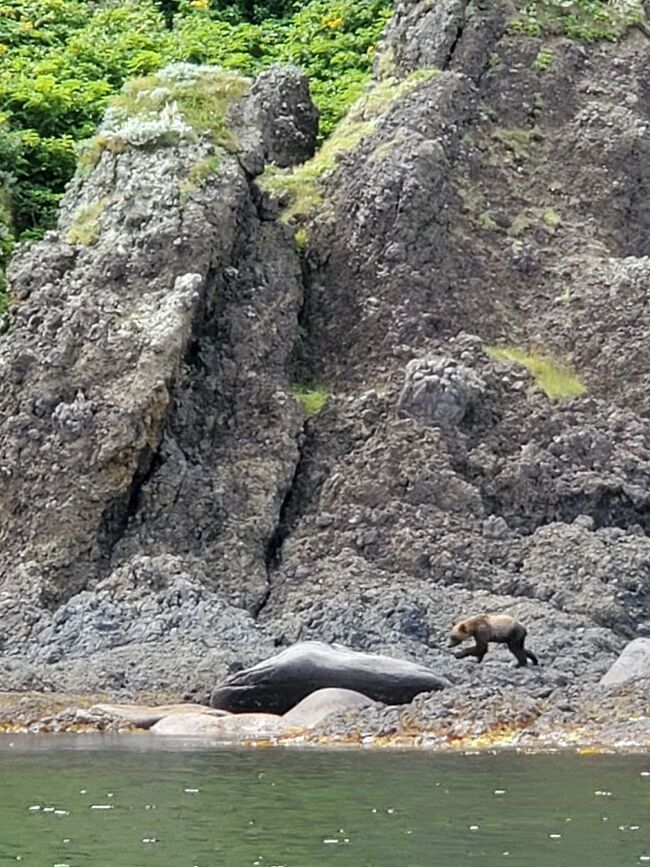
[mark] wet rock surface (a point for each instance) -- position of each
(322, 703)
(485, 717)
(278, 684)
(229, 728)
(169, 517)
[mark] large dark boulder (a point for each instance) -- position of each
(277, 684)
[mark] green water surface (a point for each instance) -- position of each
(127, 802)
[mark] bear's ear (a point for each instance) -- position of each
(460, 627)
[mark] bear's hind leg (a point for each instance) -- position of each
(516, 647)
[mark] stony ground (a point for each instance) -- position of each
(167, 512)
(598, 719)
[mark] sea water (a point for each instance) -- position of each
(132, 801)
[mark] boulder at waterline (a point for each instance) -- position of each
(242, 727)
(144, 716)
(633, 662)
(315, 707)
(277, 684)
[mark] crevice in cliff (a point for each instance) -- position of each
(119, 512)
(288, 516)
(456, 40)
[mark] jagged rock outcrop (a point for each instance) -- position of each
(148, 432)
(464, 219)
(156, 463)
(277, 122)
(438, 391)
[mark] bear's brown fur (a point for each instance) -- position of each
(499, 628)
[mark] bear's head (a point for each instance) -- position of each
(458, 633)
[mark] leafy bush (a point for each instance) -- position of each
(61, 61)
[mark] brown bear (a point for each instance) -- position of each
(500, 628)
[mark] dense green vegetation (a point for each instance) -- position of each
(62, 60)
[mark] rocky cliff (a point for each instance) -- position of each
(470, 288)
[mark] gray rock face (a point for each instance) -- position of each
(423, 34)
(443, 34)
(438, 391)
(168, 518)
(277, 122)
(221, 729)
(278, 684)
(462, 223)
(144, 716)
(632, 663)
(148, 432)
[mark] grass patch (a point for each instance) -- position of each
(554, 377)
(587, 20)
(198, 174)
(544, 60)
(181, 102)
(301, 237)
(516, 140)
(300, 188)
(552, 220)
(312, 400)
(85, 228)
(487, 222)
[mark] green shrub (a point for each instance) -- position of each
(334, 42)
(544, 60)
(61, 61)
(10, 157)
(554, 377)
(312, 400)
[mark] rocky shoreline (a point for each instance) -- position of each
(460, 283)
(596, 720)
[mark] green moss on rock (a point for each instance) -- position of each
(181, 102)
(587, 20)
(300, 188)
(86, 228)
(553, 376)
(312, 400)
